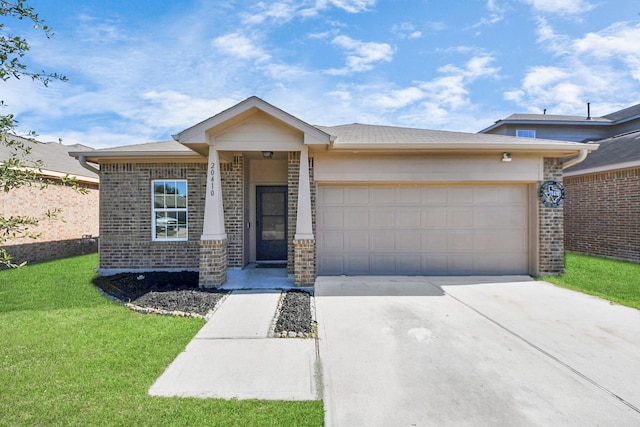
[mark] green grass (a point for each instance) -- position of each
(616, 281)
(70, 357)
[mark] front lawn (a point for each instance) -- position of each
(616, 281)
(68, 356)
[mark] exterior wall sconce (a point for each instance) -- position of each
(267, 154)
(506, 157)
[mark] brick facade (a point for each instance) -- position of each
(551, 228)
(125, 208)
(305, 262)
(213, 263)
(602, 214)
(59, 238)
(293, 179)
(231, 176)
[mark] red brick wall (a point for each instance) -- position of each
(602, 214)
(59, 237)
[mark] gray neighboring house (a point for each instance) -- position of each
(78, 212)
(602, 209)
(254, 184)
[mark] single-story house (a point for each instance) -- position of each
(602, 208)
(254, 184)
(78, 219)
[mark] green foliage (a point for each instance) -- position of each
(18, 171)
(616, 281)
(71, 357)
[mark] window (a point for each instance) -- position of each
(169, 210)
(525, 133)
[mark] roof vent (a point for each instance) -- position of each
(588, 111)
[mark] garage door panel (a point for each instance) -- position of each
(383, 241)
(460, 216)
(358, 241)
(408, 196)
(356, 196)
(434, 217)
(331, 196)
(459, 240)
(408, 241)
(357, 217)
(383, 196)
(357, 264)
(332, 241)
(434, 241)
(331, 217)
(412, 229)
(383, 217)
(409, 217)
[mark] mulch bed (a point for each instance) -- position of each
(177, 293)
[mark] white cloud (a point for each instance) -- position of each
(351, 6)
(239, 46)
(406, 30)
(361, 55)
(600, 67)
(560, 6)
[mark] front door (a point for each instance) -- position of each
(271, 227)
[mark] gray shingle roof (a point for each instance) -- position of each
(373, 134)
(624, 114)
(55, 157)
(555, 118)
(618, 149)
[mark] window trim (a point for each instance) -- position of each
(526, 130)
(154, 237)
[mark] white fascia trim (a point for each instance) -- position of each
(607, 168)
(565, 147)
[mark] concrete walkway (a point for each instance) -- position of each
(429, 351)
(232, 356)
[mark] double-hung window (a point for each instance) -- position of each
(169, 216)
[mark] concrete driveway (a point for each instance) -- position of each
(508, 351)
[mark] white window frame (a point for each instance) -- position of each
(533, 132)
(164, 209)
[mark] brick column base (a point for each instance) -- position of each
(305, 262)
(213, 263)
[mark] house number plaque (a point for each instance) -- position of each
(552, 194)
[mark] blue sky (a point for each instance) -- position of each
(140, 71)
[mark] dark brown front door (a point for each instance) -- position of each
(271, 239)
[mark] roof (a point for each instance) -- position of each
(361, 136)
(611, 119)
(624, 114)
(614, 153)
(169, 149)
(54, 157)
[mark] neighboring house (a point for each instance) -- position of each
(78, 215)
(602, 209)
(255, 184)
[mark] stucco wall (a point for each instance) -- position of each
(125, 205)
(602, 214)
(60, 237)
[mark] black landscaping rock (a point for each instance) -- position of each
(295, 315)
(161, 291)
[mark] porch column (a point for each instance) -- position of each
(213, 243)
(304, 242)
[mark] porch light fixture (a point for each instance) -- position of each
(506, 157)
(267, 154)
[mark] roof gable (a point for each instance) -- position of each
(198, 134)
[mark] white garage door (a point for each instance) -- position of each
(422, 229)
